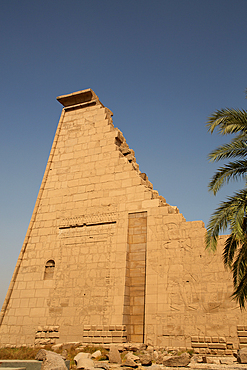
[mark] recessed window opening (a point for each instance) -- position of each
(49, 270)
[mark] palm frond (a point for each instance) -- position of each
(240, 291)
(228, 121)
(232, 213)
(239, 267)
(228, 214)
(236, 148)
(230, 248)
(219, 221)
(231, 171)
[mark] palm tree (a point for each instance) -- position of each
(231, 214)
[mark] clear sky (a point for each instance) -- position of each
(161, 66)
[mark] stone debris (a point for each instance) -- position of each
(114, 355)
(242, 356)
(131, 356)
(56, 347)
(96, 354)
(83, 361)
(146, 359)
(51, 360)
(81, 355)
(134, 347)
(155, 355)
(130, 363)
(208, 360)
(64, 354)
(182, 360)
(101, 365)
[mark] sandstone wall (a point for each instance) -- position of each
(188, 290)
(106, 259)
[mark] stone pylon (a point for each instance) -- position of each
(106, 259)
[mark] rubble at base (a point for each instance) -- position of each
(143, 357)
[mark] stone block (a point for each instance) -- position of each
(242, 345)
(215, 339)
(150, 203)
(97, 340)
(199, 345)
(216, 345)
(118, 339)
(243, 340)
(194, 339)
(222, 339)
(87, 339)
(242, 333)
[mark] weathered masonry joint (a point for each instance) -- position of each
(107, 260)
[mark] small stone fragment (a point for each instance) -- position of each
(130, 363)
(131, 356)
(64, 354)
(96, 354)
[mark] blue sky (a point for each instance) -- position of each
(162, 67)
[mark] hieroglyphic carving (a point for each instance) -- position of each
(96, 218)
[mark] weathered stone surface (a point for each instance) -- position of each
(83, 362)
(182, 360)
(114, 355)
(160, 359)
(81, 355)
(155, 355)
(131, 356)
(130, 363)
(96, 354)
(242, 356)
(51, 360)
(146, 359)
(208, 360)
(102, 365)
(134, 347)
(155, 367)
(64, 354)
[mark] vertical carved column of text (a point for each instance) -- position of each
(137, 241)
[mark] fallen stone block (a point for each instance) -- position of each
(114, 355)
(146, 359)
(182, 360)
(50, 360)
(83, 361)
